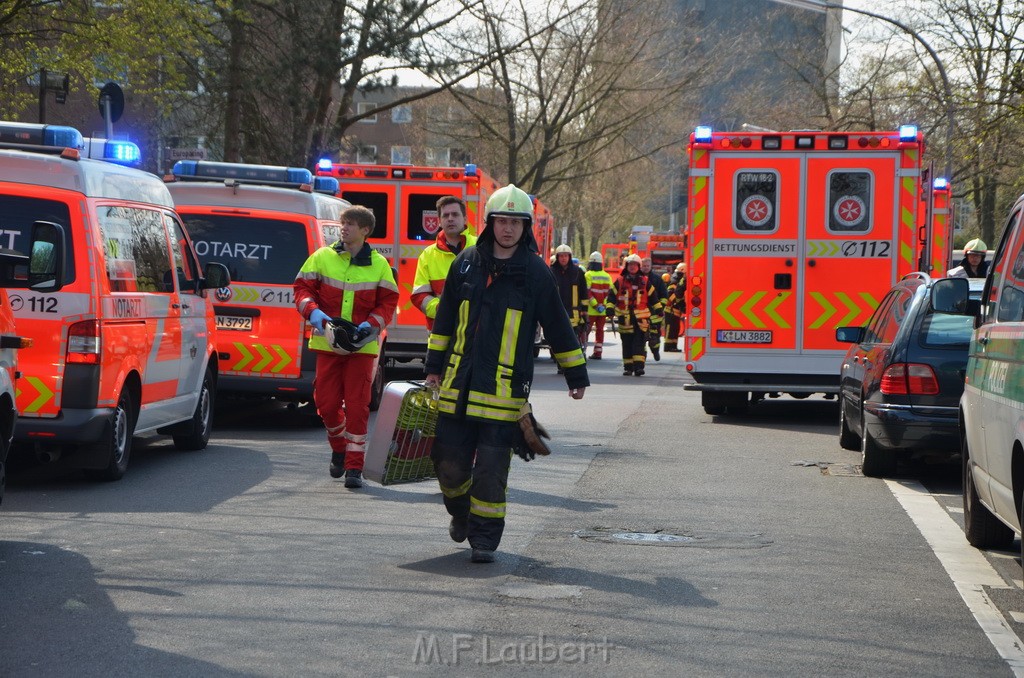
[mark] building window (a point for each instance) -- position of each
(366, 155)
(365, 107)
(401, 114)
(437, 157)
(401, 155)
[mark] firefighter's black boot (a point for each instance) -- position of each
(482, 556)
(353, 478)
(337, 464)
(458, 529)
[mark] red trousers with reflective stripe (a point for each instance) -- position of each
(341, 390)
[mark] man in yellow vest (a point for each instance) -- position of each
(348, 294)
(599, 284)
(434, 262)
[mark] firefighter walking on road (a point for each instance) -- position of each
(676, 310)
(657, 318)
(348, 293)
(480, 357)
(572, 290)
(635, 301)
(599, 286)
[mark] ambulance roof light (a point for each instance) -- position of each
(30, 134)
(702, 134)
(202, 169)
(908, 132)
(471, 170)
(117, 151)
(940, 183)
(328, 185)
(325, 164)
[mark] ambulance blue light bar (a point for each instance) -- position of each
(202, 169)
(117, 151)
(940, 183)
(471, 170)
(908, 132)
(328, 185)
(325, 164)
(28, 134)
(702, 135)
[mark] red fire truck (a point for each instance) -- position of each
(791, 235)
(666, 250)
(404, 201)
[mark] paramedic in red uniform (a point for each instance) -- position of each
(349, 280)
(480, 357)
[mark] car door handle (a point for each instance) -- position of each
(983, 340)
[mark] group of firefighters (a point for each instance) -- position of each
(639, 304)
(481, 297)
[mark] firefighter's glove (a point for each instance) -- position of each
(643, 323)
(533, 435)
(317, 319)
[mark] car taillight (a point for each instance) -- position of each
(909, 379)
(84, 343)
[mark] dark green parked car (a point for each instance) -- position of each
(902, 378)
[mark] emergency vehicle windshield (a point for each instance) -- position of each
(378, 203)
(253, 249)
(20, 212)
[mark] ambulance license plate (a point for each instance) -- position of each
(744, 336)
(233, 322)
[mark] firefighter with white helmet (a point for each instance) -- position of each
(348, 293)
(480, 358)
(635, 300)
(599, 286)
(572, 290)
(973, 265)
(676, 311)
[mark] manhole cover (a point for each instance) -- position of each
(613, 535)
(651, 537)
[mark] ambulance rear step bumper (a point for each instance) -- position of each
(764, 383)
(300, 389)
(71, 426)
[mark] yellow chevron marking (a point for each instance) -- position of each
(723, 309)
(246, 357)
(748, 308)
(266, 358)
(770, 310)
(828, 310)
(44, 394)
(283, 355)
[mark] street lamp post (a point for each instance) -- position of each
(823, 6)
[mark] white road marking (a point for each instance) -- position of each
(955, 509)
(1017, 617)
(965, 565)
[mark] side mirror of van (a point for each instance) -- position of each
(46, 259)
(215, 276)
(950, 295)
(849, 335)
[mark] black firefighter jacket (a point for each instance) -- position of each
(483, 335)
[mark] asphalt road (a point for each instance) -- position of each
(656, 540)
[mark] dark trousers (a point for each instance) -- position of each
(472, 459)
(634, 348)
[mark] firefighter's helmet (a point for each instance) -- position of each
(564, 249)
(976, 246)
(595, 257)
(345, 337)
(510, 201)
(632, 259)
(681, 267)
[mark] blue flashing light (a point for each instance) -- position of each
(326, 185)
(908, 132)
(31, 134)
(122, 152)
(702, 134)
(325, 164)
(470, 170)
(940, 183)
(251, 173)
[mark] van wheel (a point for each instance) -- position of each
(982, 529)
(713, 403)
(377, 387)
(202, 419)
(875, 462)
(117, 446)
(848, 440)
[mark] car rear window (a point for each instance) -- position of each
(255, 250)
(944, 329)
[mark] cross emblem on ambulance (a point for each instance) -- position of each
(849, 210)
